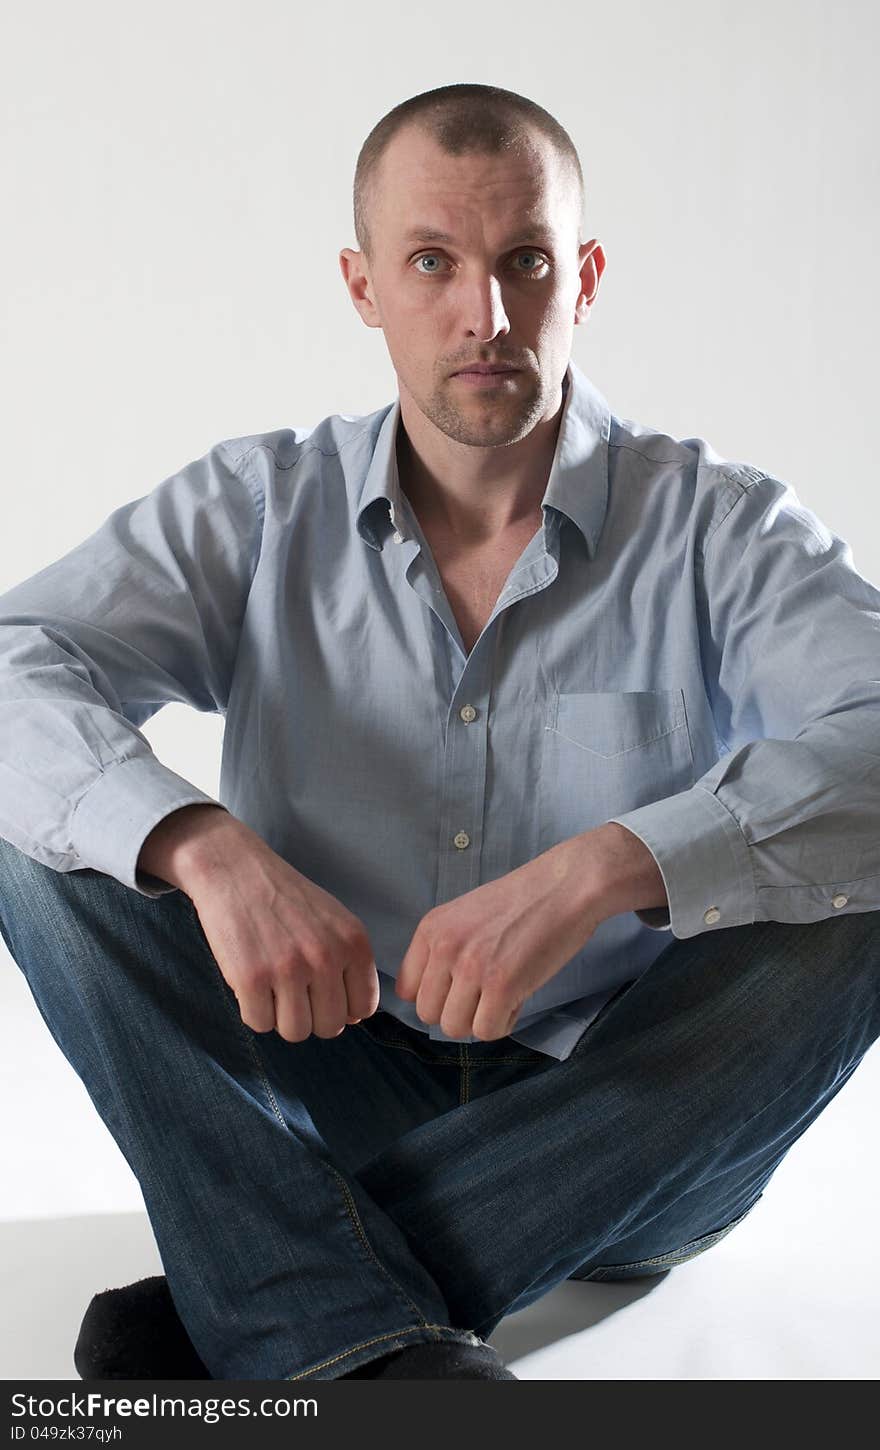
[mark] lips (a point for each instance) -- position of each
(485, 371)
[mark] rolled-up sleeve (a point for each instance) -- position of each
(145, 611)
(785, 826)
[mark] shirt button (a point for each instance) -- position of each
(397, 536)
(839, 900)
(467, 713)
(462, 840)
(711, 916)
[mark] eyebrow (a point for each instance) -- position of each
(531, 231)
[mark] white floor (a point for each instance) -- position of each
(792, 1293)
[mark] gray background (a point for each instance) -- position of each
(177, 181)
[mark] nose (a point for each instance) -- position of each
(483, 308)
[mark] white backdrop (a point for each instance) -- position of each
(177, 180)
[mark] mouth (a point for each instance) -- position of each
(484, 371)
(486, 379)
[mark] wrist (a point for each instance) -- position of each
(179, 846)
(617, 872)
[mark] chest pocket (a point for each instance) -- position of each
(605, 752)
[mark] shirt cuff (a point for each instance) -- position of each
(119, 810)
(704, 861)
(656, 917)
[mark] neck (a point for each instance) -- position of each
(484, 500)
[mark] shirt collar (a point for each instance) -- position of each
(577, 485)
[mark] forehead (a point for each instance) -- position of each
(416, 174)
(528, 226)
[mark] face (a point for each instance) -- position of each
(506, 284)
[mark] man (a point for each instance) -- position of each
(511, 687)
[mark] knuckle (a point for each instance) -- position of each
(472, 965)
(290, 1036)
(442, 941)
(254, 1022)
(287, 969)
(355, 939)
(454, 1029)
(322, 959)
(252, 979)
(495, 978)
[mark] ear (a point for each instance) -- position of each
(591, 268)
(360, 287)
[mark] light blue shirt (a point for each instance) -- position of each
(682, 647)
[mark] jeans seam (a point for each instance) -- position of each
(382, 1339)
(355, 1218)
(680, 1256)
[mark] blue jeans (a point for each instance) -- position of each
(317, 1204)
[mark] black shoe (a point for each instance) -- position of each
(135, 1333)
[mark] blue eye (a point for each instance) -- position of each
(532, 254)
(526, 272)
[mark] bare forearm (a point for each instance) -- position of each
(614, 869)
(176, 848)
